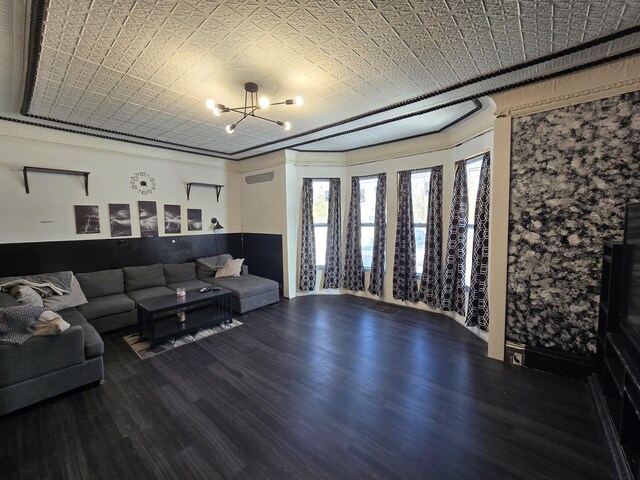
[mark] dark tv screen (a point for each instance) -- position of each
(630, 307)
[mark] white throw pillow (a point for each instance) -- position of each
(231, 268)
(72, 299)
(50, 323)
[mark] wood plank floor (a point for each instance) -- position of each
(320, 387)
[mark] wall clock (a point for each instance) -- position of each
(143, 183)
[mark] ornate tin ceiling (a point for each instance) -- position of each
(143, 68)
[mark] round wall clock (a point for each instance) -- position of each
(143, 183)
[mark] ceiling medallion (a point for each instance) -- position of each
(251, 104)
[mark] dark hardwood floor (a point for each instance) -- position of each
(317, 387)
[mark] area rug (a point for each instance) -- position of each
(141, 348)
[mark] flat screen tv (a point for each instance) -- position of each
(630, 299)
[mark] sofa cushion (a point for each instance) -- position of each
(74, 298)
(244, 285)
(93, 345)
(104, 282)
(207, 266)
(190, 285)
(179, 272)
(107, 305)
(150, 292)
(7, 300)
(137, 278)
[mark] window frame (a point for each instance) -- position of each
(319, 266)
(367, 224)
(471, 226)
(419, 224)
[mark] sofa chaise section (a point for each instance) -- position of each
(43, 367)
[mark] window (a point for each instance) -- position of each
(420, 201)
(320, 218)
(473, 184)
(368, 188)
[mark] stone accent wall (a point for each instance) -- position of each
(572, 171)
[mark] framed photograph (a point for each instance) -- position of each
(194, 219)
(172, 219)
(148, 219)
(87, 219)
(120, 219)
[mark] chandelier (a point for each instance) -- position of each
(251, 105)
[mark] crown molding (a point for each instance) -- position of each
(616, 78)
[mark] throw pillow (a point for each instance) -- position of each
(17, 323)
(72, 299)
(50, 323)
(231, 268)
(26, 295)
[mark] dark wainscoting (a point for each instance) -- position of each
(558, 363)
(263, 254)
(92, 255)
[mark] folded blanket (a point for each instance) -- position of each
(18, 323)
(46, 284)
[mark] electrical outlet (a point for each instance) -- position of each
(517, 359)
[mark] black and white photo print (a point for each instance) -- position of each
(172, 219)
(87, 219)
(194, 219)
(120, 219)
(148, 219)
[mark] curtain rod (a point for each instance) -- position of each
(321, 178)
(424, 169)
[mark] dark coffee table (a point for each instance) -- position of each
(158, 316)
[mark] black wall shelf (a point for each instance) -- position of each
(26, 170)
(198, 184)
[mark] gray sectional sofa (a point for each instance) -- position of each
(44, 367)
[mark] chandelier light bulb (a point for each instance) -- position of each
(216, 111)
(264, 102)
(210, 104)
(298, 100)
(287, 125)
(230, 128)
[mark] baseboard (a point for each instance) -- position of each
(617, 455)
(559, 363)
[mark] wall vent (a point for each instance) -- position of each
(259, 178)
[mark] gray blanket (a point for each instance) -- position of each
(18, 323)
(46, 284)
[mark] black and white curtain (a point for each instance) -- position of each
(404, 261)
(332, 259)
(431, 281)
(478, 315)
(376, 276)
(455, 260)
(353, 276)
(307, 280)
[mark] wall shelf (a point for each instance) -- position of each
(26, 170)
(211, 185)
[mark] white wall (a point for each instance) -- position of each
(47, 213)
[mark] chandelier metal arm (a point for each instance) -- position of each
(251, 104)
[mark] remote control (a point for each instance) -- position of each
(205, 289)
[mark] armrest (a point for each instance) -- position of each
(41, 355)
(244, 270)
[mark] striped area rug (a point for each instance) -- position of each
(141, 348)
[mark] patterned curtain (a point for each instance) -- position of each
(478, 295)
(332, 262)
(404, 262)
(431, 282)
(455, 262)
(307, 281)
(353, 276)
(376, 277)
